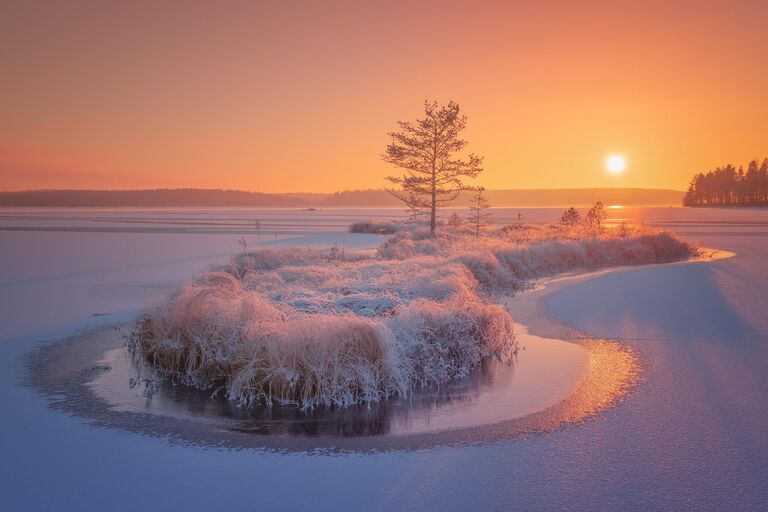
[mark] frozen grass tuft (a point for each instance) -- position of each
(329, 328)
(217, 332)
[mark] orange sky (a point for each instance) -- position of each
(298, 96)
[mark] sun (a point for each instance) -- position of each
(615, 164)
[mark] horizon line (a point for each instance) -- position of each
(150, 189)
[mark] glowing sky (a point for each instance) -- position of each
(298, 96)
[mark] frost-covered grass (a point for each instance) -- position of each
(513, 257)
(335, 328)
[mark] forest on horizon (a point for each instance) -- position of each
(729, 186)
(190, 197)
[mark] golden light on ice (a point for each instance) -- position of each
(615, 164)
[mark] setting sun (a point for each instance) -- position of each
(615, 164)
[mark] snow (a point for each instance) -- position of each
(690, 437)
(70, 276)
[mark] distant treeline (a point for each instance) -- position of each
(525, 197)
(189, 197)
(728, 186)
(182, 197)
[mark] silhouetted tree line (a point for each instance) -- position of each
(147, 198)
(517, 197)
(347, 198)
(728, 186)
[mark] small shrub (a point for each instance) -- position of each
(596, 217)
(571, 217)
(454, 220)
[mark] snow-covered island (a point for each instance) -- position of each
(333, 328)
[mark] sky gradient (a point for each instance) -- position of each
(298, 96)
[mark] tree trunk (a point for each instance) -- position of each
(433, 213)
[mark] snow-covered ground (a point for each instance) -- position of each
(692, 435)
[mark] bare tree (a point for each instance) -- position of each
(427, 149)
(479, 205)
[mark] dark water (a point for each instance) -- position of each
(542, 373)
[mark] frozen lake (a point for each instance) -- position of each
(693, 435)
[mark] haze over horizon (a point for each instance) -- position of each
(265, 97)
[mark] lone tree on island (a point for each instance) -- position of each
(428, 151)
